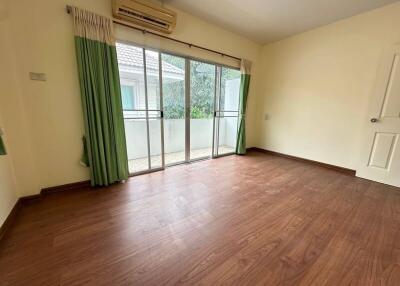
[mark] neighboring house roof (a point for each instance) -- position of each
(132, 56)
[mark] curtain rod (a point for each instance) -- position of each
(144, 31)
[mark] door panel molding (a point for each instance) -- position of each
(391, 102)
(382, 150)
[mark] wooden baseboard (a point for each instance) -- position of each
(30, 198)
(13, 214)
(46, 191)
(325, 165)
(66, 187)
(10, 218)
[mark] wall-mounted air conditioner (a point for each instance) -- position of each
(145, 14)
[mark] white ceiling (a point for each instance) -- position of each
(266, 21)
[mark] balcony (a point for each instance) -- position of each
(174, 141)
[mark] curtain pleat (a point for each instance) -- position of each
(244, 91)
(2, 147)
(104, 140)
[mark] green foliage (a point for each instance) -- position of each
(197, 113)
(202, 89)
(174, 101)
(173, 92)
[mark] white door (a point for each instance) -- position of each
(381, 155)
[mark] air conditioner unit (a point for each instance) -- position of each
(145, 14)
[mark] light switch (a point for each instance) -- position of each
(266, 116)
(37, 76)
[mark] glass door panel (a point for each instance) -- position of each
(141, 102)
(227, 111)
(202, 91)
(154, 109)
(136, 139)
(130, 62)
(155, 129)
(173, 90)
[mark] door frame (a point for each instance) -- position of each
(187, 110)
(147, 117)
(217, 115)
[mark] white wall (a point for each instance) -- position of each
(318, 85)
(12, 109)
(8, 190)
(41, 40)
(12, 122)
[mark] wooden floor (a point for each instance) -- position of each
(238, 220)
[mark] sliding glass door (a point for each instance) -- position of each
(226, 111)
(154, 109)
(142, 106)
(174, 90)
(176, 109)
(202, 95)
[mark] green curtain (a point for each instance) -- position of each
(104, 142)
(244, 91)
(2, 147)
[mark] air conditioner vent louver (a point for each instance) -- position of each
(142, 17)
(146, 14)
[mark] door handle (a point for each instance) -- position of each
(374, 120)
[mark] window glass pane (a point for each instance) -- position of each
(131, 70)
(227, 134)
(202, 90)
(154, 105)
(153, 81)
(230, 85)
(127, 97)
(228, 107)
(155, 143)
(173, 73)
(173, 70)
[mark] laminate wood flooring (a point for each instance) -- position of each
(238, 220)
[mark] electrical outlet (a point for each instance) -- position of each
(37, 76)
(266, 116)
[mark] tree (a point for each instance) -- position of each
(173, 92)
(202, 89)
